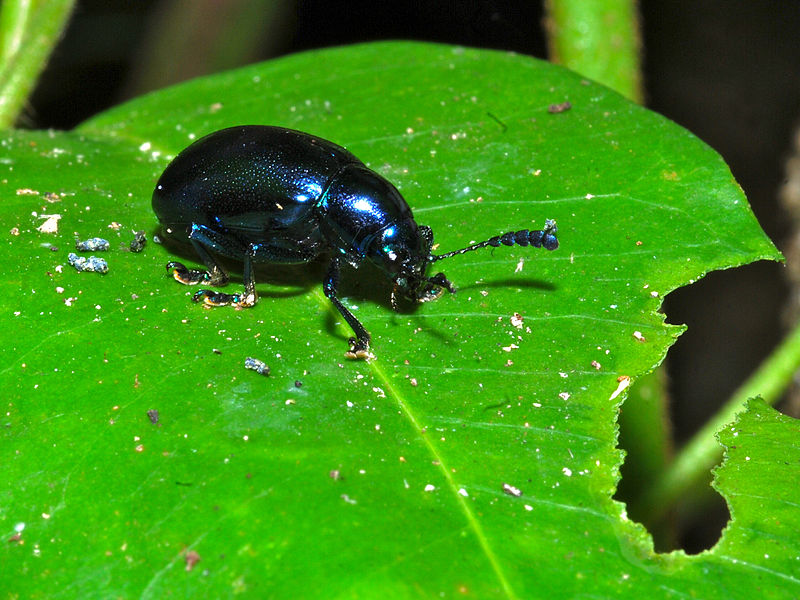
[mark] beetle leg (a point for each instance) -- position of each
(214, 275)
(186, 276)
(246, 300)
(203, 238)
(435, 288)
(359, 345)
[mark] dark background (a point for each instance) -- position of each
(728, 70)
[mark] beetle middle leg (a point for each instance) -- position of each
(359, 345)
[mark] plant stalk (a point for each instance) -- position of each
(598, 39)
(29, 30)
(702, 452)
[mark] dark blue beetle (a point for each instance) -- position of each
(273, 195)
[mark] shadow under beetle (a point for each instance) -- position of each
(264, 194)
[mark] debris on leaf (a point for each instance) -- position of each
(561, 107)
(94, 244)
(256, 365)
(50, 225)
(91, 264)
(138, 242)
(191, 558)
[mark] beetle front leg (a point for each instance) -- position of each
(435, 287)
(359, 345)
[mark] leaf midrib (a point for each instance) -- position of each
(438, 459)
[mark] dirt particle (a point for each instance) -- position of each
(138, 242)
(560, 107)
(256, 365)
(191, 559)
(50, 224)
(92, 264)
(624, 382)
(95, 244)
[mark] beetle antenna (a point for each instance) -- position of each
(539, 238)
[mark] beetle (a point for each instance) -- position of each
(264, 194)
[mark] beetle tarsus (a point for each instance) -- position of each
(435, 288)
(210, 298)
(187, 276)
(359, 350)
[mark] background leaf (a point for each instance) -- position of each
(336, 478)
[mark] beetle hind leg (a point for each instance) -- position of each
(210, 298)
(204, 240)
(246, 300)
(182, 274)
(214, 275)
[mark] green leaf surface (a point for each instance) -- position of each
(759, 445)
(332, 478)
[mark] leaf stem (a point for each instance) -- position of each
(29, 29)
(597, 39)
(700, 454)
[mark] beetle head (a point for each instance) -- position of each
(404, 253)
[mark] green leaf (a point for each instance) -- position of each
(759, 481)
(333, 478)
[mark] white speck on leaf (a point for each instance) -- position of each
(50, 225)
(624, 382)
